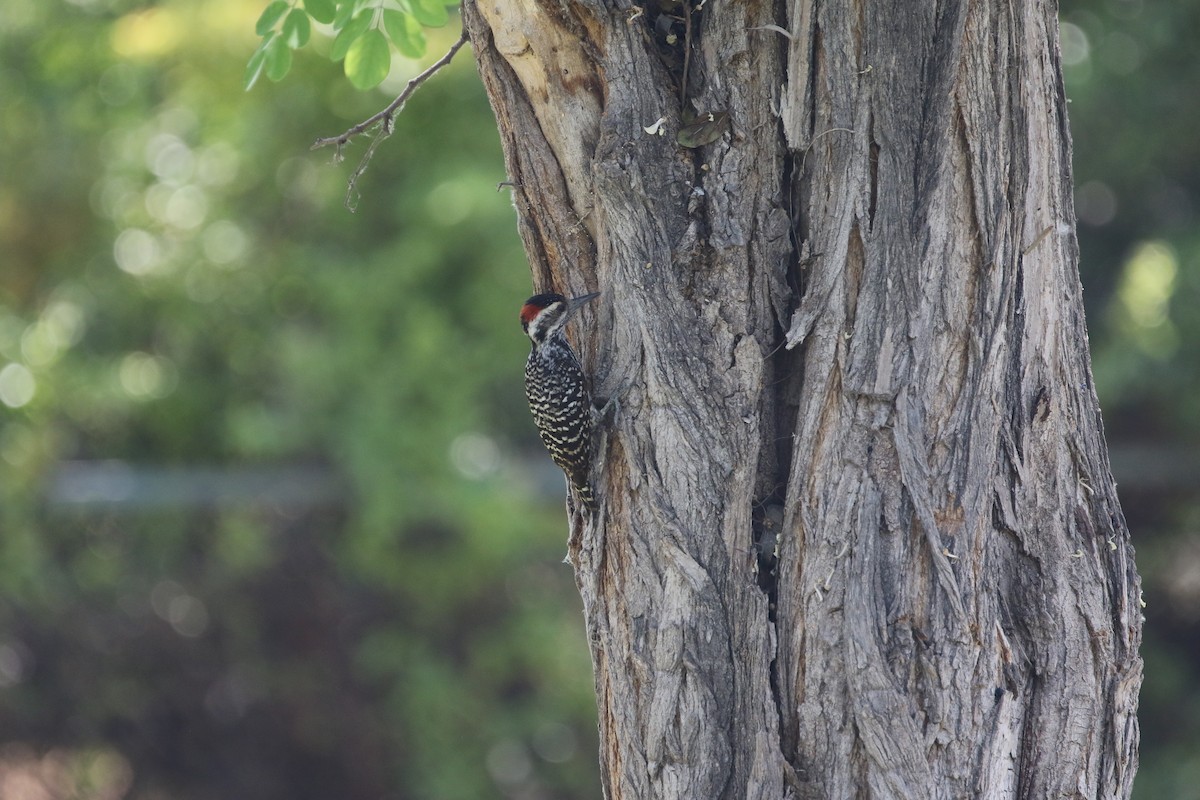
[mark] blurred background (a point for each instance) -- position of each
(273, 520)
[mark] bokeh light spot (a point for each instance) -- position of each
(555, 742)
(1095, 203)
(187, 615)
(223, 242)
(12, 665)
(508, 763)
(149, 33)
(17, 385)
(183, 611)
(1144, 295)
(451, 202)
(1075, 46)
(475, 455)
(59, 327)
(137, 252)
(169, 158)
(145, 377)
(217, 165)
(187, 207)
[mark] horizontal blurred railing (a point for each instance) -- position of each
(119, 485)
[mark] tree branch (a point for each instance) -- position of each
(385, 119)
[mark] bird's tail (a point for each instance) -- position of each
(587, 496)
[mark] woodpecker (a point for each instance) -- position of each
(555, 388)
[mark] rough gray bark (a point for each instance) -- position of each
(857, 314)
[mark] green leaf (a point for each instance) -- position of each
(429, 12)
(270, 15)
(368, 60)
(296, 28)
(322, 11)
(405, 32)
(279, 58)
(346, 10)
(254, 67)
(355, 28)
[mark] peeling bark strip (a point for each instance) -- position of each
(856, 318)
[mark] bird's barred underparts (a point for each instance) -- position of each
(557, 391)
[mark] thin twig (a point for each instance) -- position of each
(1045, 232)
(394, 107)
(387, 117)
(804, 158)
(781, 31)
(687, 54)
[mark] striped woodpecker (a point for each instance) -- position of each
(557, 393)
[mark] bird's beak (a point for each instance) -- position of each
(576, 303)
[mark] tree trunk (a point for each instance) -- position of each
(854, 321)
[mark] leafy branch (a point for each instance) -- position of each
(385, 119)
(364, 31)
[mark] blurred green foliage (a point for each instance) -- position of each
(1131, 75)
(182, 288)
